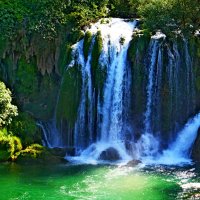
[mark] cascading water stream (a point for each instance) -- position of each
(148, 144)
(179, 151)
(116, 38)
(86, 93)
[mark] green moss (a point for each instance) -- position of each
(75, 36)
(41, 104)
(32, 151)
(27, 82)
(96, 52)
(9, 146)
(138, 43)
(69, 97)
(87, 43)
(65, 57)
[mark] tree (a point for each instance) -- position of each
(170, 15)
(7, 110)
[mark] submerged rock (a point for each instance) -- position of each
(196, 148)
(110, 154)
(133, 163)
(61, 152)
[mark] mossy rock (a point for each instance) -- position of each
(45, 157)
(87, 44)
(27, 82)
(3, 46)
(96, 52)
(69, 96)
(139, 44)
(36, 94)
(64, 57)
(10, 146)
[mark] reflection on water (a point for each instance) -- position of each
(79, 182)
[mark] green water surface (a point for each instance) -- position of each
(87, 182)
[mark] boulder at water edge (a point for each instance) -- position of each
(110, 154)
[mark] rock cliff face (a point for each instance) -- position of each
(33, 67)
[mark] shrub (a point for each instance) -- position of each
(10, 146)
(24, 127)
(7, 110)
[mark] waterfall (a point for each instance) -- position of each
(108, 117)
(153, 53)
(179, 151)
(51, 136)
(86, 94)
(116, 35)
(148, 144)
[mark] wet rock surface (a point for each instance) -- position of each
(133, 163)
(110, 154)
(196, 148)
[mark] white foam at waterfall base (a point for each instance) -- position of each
(92, 153)
(178, 152)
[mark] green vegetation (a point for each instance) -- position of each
(7, 110)
(24, 127)
(47, 17)
(170, 15)
(96, 52)
(10, 146)
(69, 96)
(16, 132)
(87, 43)
(124, 8)
(27, 82)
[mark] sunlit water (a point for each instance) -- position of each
(87, 182)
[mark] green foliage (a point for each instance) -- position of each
(7, 110)
(47, 17)
(123, 8)
(9, 146)
(153, 10)
(84, 12)
(170, 15)
(12, 15)
(24, 127)
(32, 151)
(87, 43)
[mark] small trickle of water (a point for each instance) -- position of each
(52, 138)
